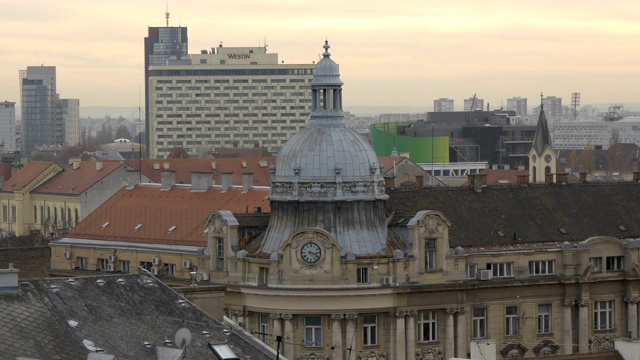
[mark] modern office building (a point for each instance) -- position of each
(8, 126)
(227, 97)
(70, 109)
(517, 104)
(442, 104)
(42, 123)
(161, 44)
(473, 104)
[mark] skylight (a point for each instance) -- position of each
(137, 227)
(105, 224)
(562, 231)
(622, 228)
(500, 233)
(171, 229)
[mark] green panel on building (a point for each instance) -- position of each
(384, 136)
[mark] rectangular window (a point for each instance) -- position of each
(501, 269)
(170, 270)
(313, 331)
(541, 267)
(220, 253)
(430, 254)
(596, 264)
(603, 315)
(512, 321)
(363, 275)
(103, 264)
(428, 326)
(125, 266)
(614, 263)
(479, 323)
(264, 328)
(369, 330)
(147, 265)
(544, 319)
(472, 271)
(83, 263)
(263, 276)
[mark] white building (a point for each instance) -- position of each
(517, 104)
(71, 115)
(473, 104)
(8, 126)
(442, 105)
(576, 135)
(227, 97)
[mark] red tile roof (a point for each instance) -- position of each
(159, 210)
(389, 161)
(26, 175)
(76, 181)
(183, 168)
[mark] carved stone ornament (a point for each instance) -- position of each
(431, 225)
(602, 343)
(632, 299)
(280, 188)
(274, 316)
(545, 348)
(568, 303)
(337, 316)
(310, 235)
(216, 225)
(429, 353)
(313, 356)
(583, 302)
(351, 317)
(372, 355)
(513, 351)
(286, 316)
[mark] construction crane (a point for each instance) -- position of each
(473, 103)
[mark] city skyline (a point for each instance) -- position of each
(415, 51)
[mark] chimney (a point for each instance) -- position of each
(389, 182)
(227, 181)
(548, 178)
(507, 166)
(561, 178)
(523, 179)
(201, 181)
(479, 181)
(244, 163)
(75, 163)
(9, 279)
(247, 182)
(636, 176)
(156, 166)
(165, 166)
(98, 165)
(167, 179)
(583, 177)
(419, 181)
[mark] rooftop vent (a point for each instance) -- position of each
(72, 323)
(121, 281)
(105, 225)
(100, 282)
(71, 281)
(500, 233)
(54, 288)
(563, 231)
(622, 228)
(171, 229)
(137, 227)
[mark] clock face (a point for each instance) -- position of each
(534, 158)
(310, 252)
(547, 158)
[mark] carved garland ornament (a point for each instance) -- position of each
(313, 356)
(217, 225)
(327, 190)
(372, 355)
(310, 235)
(513, 351)
(431, 225)
(429, 353)
(602, 343)
(546, 348)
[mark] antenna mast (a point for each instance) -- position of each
(166, 14)
(575, 101)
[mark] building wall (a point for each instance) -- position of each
(8, 126)
(71, 117)
(384, 138)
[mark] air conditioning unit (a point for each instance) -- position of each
(113, 258)
(186, 264)
(155, 261)
(485, 275)
(111, 267)
(387, 280)
(204, 276)
(67, 254)
(155, 271)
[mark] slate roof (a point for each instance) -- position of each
(76, 181)
(534, 213)
(542, 138)
(118, 317)
(26, 175)
(157, 210)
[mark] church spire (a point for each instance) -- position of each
(543, 136)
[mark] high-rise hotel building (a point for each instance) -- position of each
(226, 97)
(8, 126)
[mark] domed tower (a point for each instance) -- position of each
(327, 177)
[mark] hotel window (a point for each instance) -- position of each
(369, 330)
(541, 267)
(313, 331)
(544, 319)
(362, 275)
(472, 271)
(264, 328)
(430, 254)
(596, 264)
(428, 326)
(614, 263)
(512, 321)
(83, 263)
(603, 313)
(125, 266)
(479, 323)
(501, 269)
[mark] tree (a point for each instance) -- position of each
(104, 135)
(588, 158)
(123, 132)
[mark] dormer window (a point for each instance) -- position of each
(430, 254)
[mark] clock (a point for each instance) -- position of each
(310, 252)
(547, 158)
(534, 158)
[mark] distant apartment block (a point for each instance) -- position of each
(8, 126)
(473, 104)
(443, 105)
(227, 97)
(552, 107)
(517, 104)
(70, 109)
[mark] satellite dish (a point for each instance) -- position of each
(182, 338)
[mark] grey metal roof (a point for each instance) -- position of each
(542, 138)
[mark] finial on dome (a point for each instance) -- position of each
(326, 49)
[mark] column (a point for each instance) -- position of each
(583, 325)
(350, 341)
(632, 316)
(411, 334)
(277, 331)
(567, 327)
(336, 337)
(462, 348)
(288, 338)
(401, 339)
(448, 333)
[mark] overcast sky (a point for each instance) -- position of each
(395, 53)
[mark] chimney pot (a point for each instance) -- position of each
(227, 181)
(167, 179)
(247, 182)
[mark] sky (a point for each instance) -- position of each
(391, 53)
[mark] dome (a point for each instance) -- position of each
(327, 72)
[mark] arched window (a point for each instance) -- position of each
(63, 216)
(69, 215)
(77, 217)
(535, 177)
(547, 169)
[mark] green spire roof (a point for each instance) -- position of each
(543, 137)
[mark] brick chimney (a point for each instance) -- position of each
(75, 163)
(227, 181)
(636, 176)
(98, 165)
(419, 181)
(167, 179)
(561, 178)
(583, 177)
(201, 180)
(9, 279)
(548, 178)
(523, 179)
(247, 182)
(389, 182)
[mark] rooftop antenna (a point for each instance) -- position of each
(575, 101)
(166, 14)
